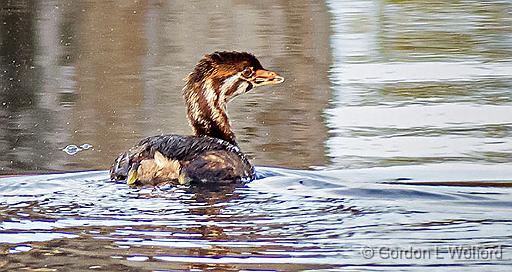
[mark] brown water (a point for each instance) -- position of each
(107, 73)
(403, 108)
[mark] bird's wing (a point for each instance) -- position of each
(173, 147)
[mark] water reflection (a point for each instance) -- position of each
(420, 83)
(186, 229)
(419, 88)
(439, 30)
(18, 83)
(291, 220)
(109, 73)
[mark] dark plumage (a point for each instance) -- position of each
(190, 151)
(212, 155)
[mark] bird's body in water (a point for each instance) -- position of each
(212, 155)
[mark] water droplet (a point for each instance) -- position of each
(86, 146)
(72, 149)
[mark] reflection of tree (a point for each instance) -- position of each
(18, 80)
(110, 39)
(17, 51)
(110, 72)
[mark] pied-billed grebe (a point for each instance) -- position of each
(212, 155)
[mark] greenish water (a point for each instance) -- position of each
(398, 114)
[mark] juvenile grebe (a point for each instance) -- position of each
(212, 155)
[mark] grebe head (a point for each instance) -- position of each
(224, 75)
(216, 79)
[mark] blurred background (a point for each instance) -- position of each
(368, 83)
(107, 73)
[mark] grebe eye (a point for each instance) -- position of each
(247, 72)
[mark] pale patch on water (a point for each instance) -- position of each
(420, 72)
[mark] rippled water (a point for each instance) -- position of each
(286, 220)
(402, 107)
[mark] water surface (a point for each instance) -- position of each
(402, 108)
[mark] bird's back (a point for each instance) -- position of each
(190, 159)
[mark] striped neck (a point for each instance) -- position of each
(206, 105)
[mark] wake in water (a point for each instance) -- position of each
(302, 219)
